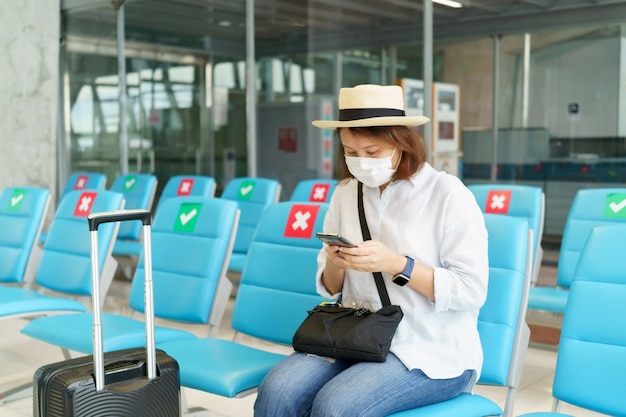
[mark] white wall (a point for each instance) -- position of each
(29, 50)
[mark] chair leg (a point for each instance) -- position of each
(17, 393)
(67, 355)
(198, 412)
(194, 411)
(510, 400)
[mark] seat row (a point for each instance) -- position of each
(590, 208)
(192, 240)
(24, 211)
(252, 195)
(277, 287)
(270, 303)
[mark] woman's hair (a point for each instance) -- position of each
(405, 139)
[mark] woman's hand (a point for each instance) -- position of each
(334, 273)
(375, 256)
(368, 256)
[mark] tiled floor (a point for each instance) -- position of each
(20, 356)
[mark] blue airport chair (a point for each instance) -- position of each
(139, 191)
(176, 186)
(252, 195)
(186, 186)
(78, 181)
(590, 208)
(63, 276)
(277, 287)
(591, 360)
(192, 238)
(501, 323)
(65, 265)
(84, 180)
(314, 190)
(523, 201)
(22, 215)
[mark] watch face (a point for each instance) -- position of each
(400, 280)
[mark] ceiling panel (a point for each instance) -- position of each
(293, 26)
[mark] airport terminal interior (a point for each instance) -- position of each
(518, 92)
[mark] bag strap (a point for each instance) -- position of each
(378, 277)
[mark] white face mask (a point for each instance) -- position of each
(372, 172)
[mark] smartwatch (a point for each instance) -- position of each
(404, 277)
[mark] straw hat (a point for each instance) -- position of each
(369, 105)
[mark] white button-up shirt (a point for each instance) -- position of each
(434, 219)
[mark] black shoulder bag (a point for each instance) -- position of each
(355, 335)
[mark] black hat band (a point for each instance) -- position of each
(346, 115)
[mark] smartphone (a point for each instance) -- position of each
(335, 239)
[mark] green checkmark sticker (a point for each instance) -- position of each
(245, 191)
(187, 217)
(16, 200)
(129, 182)
(615, 206)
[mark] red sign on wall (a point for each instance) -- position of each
(288, 139)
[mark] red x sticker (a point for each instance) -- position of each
(301, 221)
(84, 204)
(81, 182)
(319, 193)
(498, 201)
(185, 186)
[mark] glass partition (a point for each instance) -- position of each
(187, 99)
(167, 109)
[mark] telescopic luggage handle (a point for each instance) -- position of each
(95, 220)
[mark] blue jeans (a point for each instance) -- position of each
(308, 385)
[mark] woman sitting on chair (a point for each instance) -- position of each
(430, 242)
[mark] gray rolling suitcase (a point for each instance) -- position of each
(132, 382)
